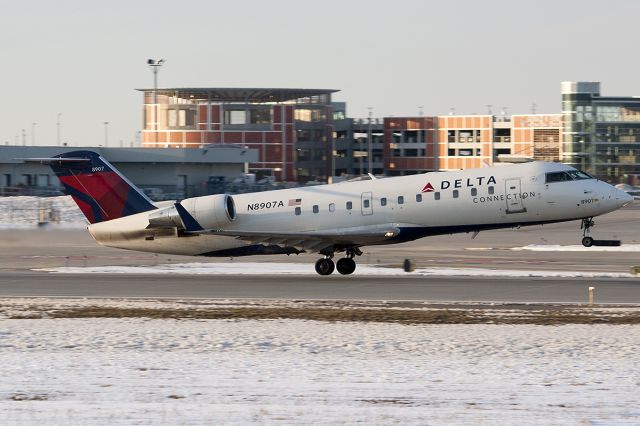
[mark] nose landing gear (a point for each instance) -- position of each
(587, 223)
(588, 241)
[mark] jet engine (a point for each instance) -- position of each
(211, 212)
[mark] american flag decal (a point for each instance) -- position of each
(295, 201)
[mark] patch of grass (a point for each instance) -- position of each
(549, 316)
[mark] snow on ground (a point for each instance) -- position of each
(140, 371)
(552, 247)
(256, 268)
(24, 212)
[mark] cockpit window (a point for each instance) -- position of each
(566, 176)
(558, 177)
(579, 175)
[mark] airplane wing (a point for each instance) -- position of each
(315, 240)
(308, 240)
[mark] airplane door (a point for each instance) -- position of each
(513, 194)
(367, 203)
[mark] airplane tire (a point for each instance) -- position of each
(325, 266)
(346, 266)
(587, 241)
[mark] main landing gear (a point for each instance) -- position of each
(345, 266)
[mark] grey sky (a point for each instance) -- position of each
(84, 58)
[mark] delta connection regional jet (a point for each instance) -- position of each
(330, 219)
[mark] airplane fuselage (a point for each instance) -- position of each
(371, 212)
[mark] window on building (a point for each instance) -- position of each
(436, 195)
(490, 190)
(418, 198)
(332, 207)
(235, 117)
(400, 199)
(181, 117)
(260, 116)
(172, 118)
(456, 193)
(474, 192)
(383, 201)
(298, 211)
(316, 209)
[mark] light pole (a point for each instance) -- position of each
(370, 152)
(106, 133)
(24, 137)
(155, 65)
(58, 128)
(33, 134)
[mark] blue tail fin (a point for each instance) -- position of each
(101, 191)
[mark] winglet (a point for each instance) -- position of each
(190, 224)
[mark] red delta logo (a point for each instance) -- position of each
(428, 188)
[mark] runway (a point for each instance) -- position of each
(516, 290)
(21, 251)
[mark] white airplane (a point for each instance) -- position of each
(330, 219)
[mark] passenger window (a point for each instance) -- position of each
(298, 211)
(490, 190)
(418, 198)
(365, 203)
(349, 205)
(474, 192)
(436, 195)
(400, 199)
(383, 201)
(455, 193)
(332, 207)
(316, 209)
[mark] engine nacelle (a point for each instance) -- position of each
(167, 217)
(211, 212)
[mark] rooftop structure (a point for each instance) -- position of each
(290, 128)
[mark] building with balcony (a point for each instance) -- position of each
(291, 129)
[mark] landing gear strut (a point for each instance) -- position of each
(345, 266)
(587, 223)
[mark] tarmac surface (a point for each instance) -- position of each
(515, 290)
(21, 251)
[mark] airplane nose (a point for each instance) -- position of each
(622, 198)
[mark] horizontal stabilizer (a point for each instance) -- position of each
(54, 160)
